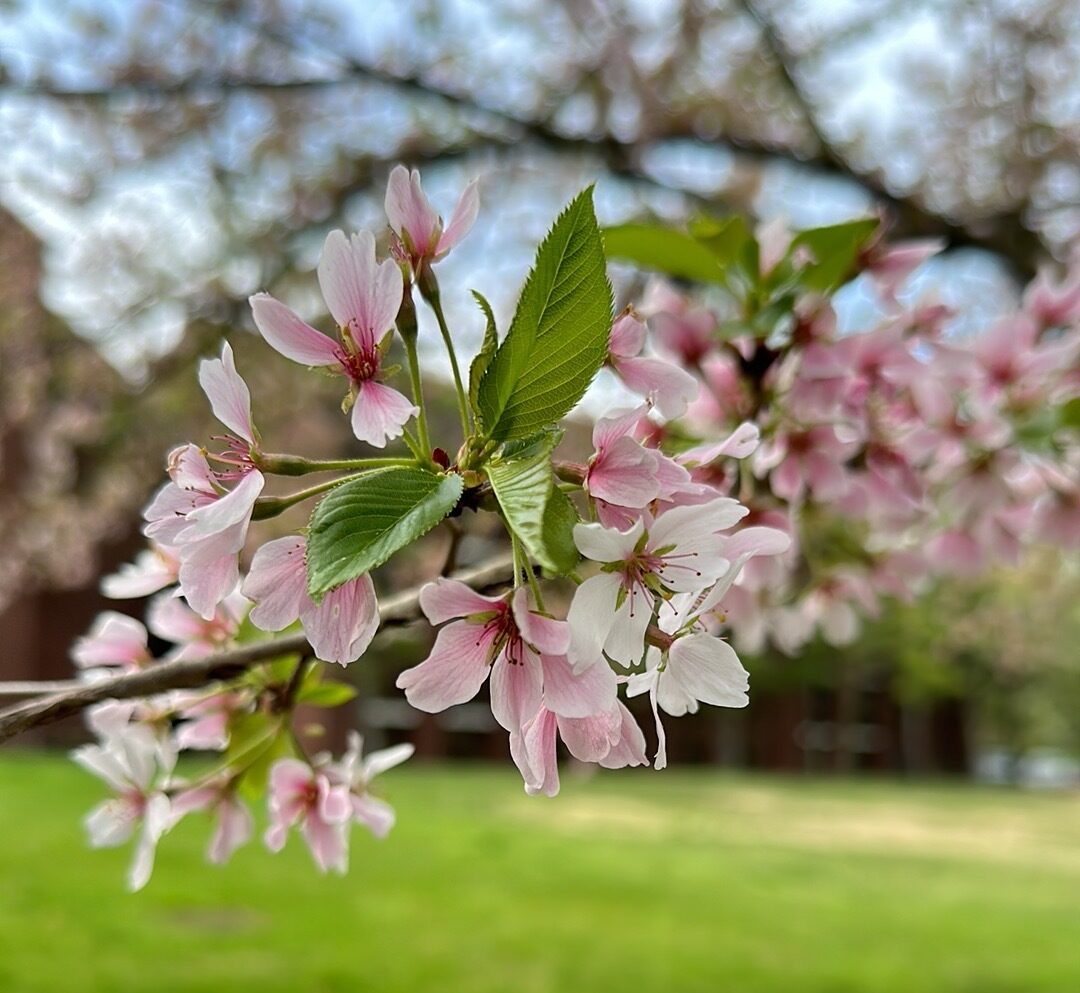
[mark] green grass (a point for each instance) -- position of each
(683, 881)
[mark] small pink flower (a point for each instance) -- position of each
(205, 524)
(621, 470)
(524, 651)
(235, 825)
(418, 229)
(302, 795)
(363, 297)
(154, 568)
(811, 460)
(1054, 302)
(670, 388)
(115, 640)
(339, 628)
(205, 720)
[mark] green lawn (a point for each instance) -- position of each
(680, 881)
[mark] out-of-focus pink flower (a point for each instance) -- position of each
(131, 764)
(205, 719)
(205, 524)
(1057, 512)
(363, 297)
(235, 825)
(523, 650)
(154, 568)
(418, 229)
(195, 636)
(115, 641)
(340, 627)
(1052, 302)
(611, 739)
(356, 772)
(678, 552)
(811, 460)
(302, 795)
(670, 388)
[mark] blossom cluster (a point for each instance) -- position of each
(706, 511)
(889, 455)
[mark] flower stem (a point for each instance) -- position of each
(430, 291)
(297, 465)
(418, 396)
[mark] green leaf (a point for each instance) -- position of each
(835, 249)
(360, 524)
(540, 514)
(654, 246)
(326, 694)
(485, 355)
(1069, 414)
(559, 336)
(730, 242)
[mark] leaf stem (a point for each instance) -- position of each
(266, 507)
(418, 396)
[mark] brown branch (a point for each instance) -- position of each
(188, 673)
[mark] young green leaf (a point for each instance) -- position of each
(360, 524)
(485, 355)
(654, 246)
(835, 249)
(558, 338)
(541, 515)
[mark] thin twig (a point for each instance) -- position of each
(188, 673)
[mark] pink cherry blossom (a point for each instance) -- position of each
(363, 297)
(205, 719)
(115, 641)
(418, 229)
(678, 552)
(340, 627)
(807, 460)
(621, 470)
(300, 794)
(890, 266)
(235, 826)
(523, 650)
(205, 524)
(135, 769)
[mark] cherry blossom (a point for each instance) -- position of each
(300, 794)
(356, 772)
(418, 229)
(234, 824)
(115, 641)
(670, 388)
(363, 297)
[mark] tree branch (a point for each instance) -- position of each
(65, 699)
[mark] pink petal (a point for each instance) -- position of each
(205, 581)
(375, 814)
(671, 388)
(328, 844)
(360, 294)
(624, 474)
(277, 582)
(235, 827)
(228, 394)
(515, 690)
(590, 739)
(115, 639)
(743, 441)
(545, 634)
(630, 748)
(462, 219)
(444, 599)
(627, 335)
(572, 695)
(341, 627)
(380, 413)
(535, 754)
(219, 517)
(454, 671)
(289, 335)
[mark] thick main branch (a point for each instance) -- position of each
(188, 673)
